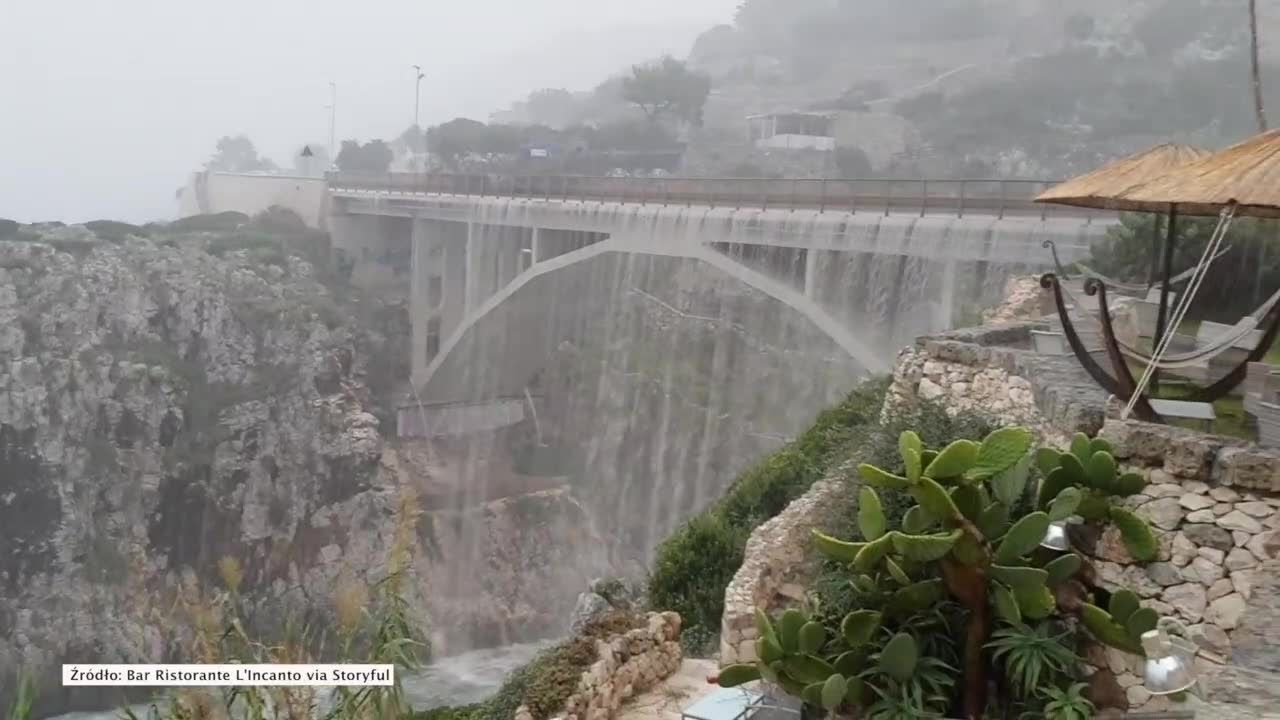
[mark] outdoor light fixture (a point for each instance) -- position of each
(1055, 538)
(1170, 667)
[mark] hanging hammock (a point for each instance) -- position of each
(1133, 288)
(1220, 344)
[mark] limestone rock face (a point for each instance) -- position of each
(161, 407)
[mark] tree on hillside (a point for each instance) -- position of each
(453, 139)
(555, 107)
(237, 154)
(374, 156)
(667, 87)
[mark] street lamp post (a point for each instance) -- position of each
(417, 87)
(333, 116)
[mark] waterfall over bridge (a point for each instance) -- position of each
(505, 272)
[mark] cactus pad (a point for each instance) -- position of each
(935, 500)
(1063, 568)
(875, 477)
(870, 514)
(899, 657)
(924, 548)
(1000, 451)
(1065, 505)
(859, 626)
(1022, 538)
(1136, 534)
(837, 550)
(953, 460)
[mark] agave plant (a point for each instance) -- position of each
(959, 544)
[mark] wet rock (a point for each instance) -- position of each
(1220, 588)
(1240, 559)
(1203, 571)
(1192, 501)
(1203, 534)
(1237, 520)
(1255, 509)
(1189, 599)
(1164, 574)
(1225, 612)
(1164, 513)
(1224, 494)
(1256, 641)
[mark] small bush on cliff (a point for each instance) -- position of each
(547, 681)
(373, 626)
(696, 563)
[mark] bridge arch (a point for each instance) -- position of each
(445, 378)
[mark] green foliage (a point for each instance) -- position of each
(24, 698)
(695, 564)
(897, 576)
(374, 156)
(1032, 657)
(1084, 481)
(1227, 290)
(1067, 703)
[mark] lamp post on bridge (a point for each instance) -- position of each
(417, 91)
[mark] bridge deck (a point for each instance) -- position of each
(997, 198)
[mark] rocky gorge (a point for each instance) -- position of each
(171, 396)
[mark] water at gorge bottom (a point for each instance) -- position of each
(455, 680)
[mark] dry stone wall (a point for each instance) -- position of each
(777, 566)
(630, 663)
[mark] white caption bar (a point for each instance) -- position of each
(176, 675)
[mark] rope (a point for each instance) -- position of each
(1184, 302)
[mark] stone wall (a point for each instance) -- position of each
(991, 370)
(630, 663)
(777, 566)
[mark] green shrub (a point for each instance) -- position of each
(113, 230)
(8, 228)
(547, 681)
(223, 221)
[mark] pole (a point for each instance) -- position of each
(417, 87)
(333, 118)
(1163, 315)
(1155, 252)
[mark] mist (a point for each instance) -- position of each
(110, 105)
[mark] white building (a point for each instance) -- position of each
(792, 131)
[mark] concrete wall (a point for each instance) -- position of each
(215, 192)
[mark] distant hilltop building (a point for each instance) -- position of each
(792, 131)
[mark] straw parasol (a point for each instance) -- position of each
(1246, 174)
(1107, 187)
(1104, 188)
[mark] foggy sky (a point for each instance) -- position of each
(107, 105)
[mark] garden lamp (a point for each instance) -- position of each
(1055, 537)
(1170, 667)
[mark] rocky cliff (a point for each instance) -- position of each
(167, 401)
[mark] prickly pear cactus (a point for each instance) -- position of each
(959, 543)
(1090, 469)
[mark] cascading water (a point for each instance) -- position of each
(669, 349)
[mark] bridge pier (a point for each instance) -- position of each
(437, 287)
(947, 299)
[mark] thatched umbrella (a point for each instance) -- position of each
(1246, 175)
(1106, 188)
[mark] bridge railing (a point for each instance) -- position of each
(923, 196)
